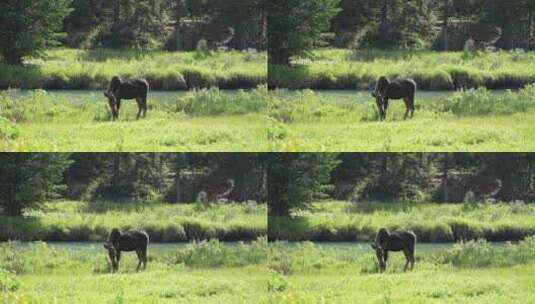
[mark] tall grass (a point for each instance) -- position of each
(344, 221)
(41, 273)
(79, 221)
(203, 120)
(79, 69)
(346, 69)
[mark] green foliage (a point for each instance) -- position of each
(349, 273)
(482, 102)
(480, 254)
(216, 102)
(295, 26)
(330, 68)
(93, 69)
(28, 179)
(345, 221)
(8, 282)
(92, 221)
(294, 180)
(215, 254)
(83, 272)
(28, 26)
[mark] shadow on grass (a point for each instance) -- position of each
(20, 228)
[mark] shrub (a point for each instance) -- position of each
(8, 281)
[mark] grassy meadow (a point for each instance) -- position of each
(92, 221)
(345, 221)
(204, 120)
(472, 272)
(196, 273)
(359, 69)
(464, 121)
(92, 69)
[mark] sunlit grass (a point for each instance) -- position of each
(92, 69)
(83, 221)
(346, 69)
(345, 221)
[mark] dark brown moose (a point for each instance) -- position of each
(398, 89)
(127, 89)
(118, 241)
(386, 241)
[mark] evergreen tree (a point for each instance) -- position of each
(29, 26)
(296, 26)
(27, 179)
(295, 178)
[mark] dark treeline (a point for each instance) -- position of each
(443, 24)
(296, 27)
(27, 179)
(28, 27)
(125, 23)
(297, 179)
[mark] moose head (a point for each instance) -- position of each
(112, 253)
(380, 101)
(380, 254)
(112, 101)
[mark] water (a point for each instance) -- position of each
(98, 246)
(351, 96)
(364, 247)
(98, 96)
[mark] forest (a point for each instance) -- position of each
(176, 197)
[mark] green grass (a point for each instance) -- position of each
(345, 221)
(471, 121)
(206, 120)
(81, 221)
(346, 69)
(214, 273)
(80, 69)
(309, 273)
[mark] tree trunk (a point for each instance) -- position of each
(445, 170)
(116, 11)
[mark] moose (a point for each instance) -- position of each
(127, 89)
(386, 241)
(118, 241)
(398, 89)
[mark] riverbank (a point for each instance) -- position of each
(76, 221)
(205, 120)
(467, 121)
(345, 221)
(92, 69)
(347, 69)
(465, 273)
(198, 273)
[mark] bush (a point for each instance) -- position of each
(482, 102)
(214, 254)
(8, 281)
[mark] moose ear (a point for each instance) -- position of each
(106, 94)
(373, 246)
(106, 246)
(374, 94)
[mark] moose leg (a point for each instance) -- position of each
(144, 253)
(411, 102)
(407, 258)
(139, 107)
(140, 259)
(407, 107)
(144, 103)
(118, 104)
(411, 256)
